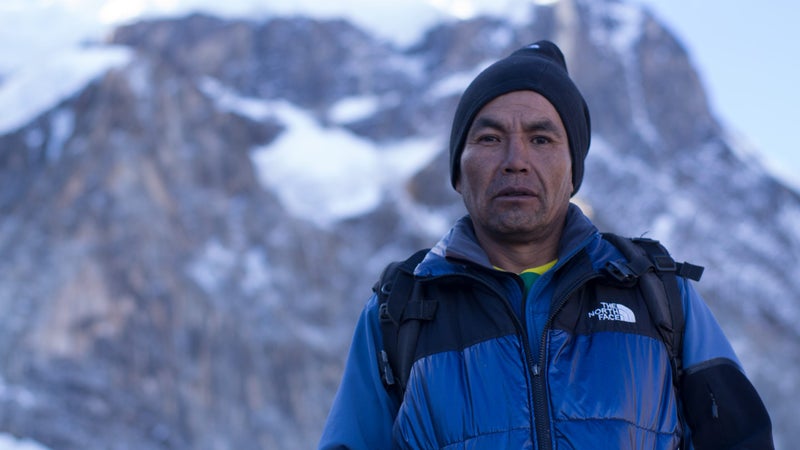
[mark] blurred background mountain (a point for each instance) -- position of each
(190, 231)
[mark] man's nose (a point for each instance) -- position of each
(516, 157)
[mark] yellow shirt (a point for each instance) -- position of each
(529, 276)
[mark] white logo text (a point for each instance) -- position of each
(613, 311)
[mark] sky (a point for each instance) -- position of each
(748, 57)
(745, 51)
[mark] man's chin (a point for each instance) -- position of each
(522, 230)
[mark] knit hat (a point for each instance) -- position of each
(539, 67)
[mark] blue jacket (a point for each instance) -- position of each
(555, 369)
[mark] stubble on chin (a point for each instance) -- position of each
(516, 224)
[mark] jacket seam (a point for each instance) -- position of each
(487, 433)
(613, 419)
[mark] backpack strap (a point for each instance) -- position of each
(657, 274)
(402, 308)
(651, 264)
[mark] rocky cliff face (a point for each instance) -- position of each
(159, 291)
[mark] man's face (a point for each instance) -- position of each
(516, 172)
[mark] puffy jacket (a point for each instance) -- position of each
(559, 369)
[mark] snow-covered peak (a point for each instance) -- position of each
(72, 22)
(8, 442)
(50, 49)
(35, 88)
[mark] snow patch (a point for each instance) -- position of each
(9, 442)
(320, 174)
(325, 174)
(329, 174)
(214, 266)
(353, 109)
(256, 277)
(10, 393)
(36, 88)
(61, 129)
(228, 100)
(456, 84)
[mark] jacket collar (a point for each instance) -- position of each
(460, 244)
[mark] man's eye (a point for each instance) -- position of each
(487, 138)
(540, 140)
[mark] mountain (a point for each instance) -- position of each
(189, 237)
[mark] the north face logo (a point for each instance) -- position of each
(613, 311)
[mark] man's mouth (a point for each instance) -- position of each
(515, 192)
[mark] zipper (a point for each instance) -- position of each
(541, 418)
(540, 396)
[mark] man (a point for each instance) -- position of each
(524, 351)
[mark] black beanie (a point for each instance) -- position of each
(539, 67)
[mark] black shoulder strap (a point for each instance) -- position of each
(401, 310)
(657, 274)
(651, 265)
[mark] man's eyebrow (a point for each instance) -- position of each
(486, 122)
(543, 125)
(537, 125)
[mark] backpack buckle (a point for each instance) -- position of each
(664, 263)
(620, 271)
(386, 369)
(383, 313)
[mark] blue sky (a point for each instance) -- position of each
(748, 57)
